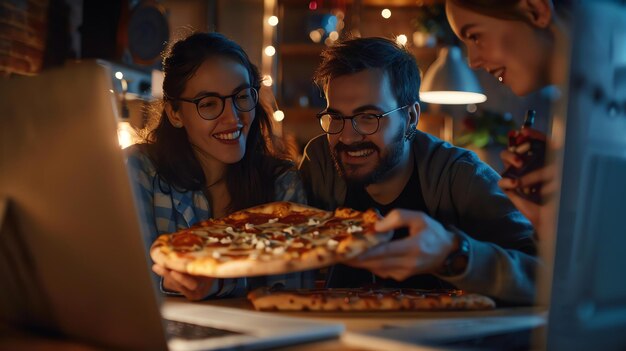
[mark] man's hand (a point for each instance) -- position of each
(423, 251)
(193, 287)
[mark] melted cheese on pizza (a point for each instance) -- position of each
(264, 236)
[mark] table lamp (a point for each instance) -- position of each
(450, 81)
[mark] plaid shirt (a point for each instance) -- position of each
(166, 210)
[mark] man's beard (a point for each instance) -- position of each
(383, 170)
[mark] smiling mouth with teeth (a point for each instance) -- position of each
(228, 136)
(360, 153)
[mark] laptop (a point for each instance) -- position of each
(586, 292)
(72, 258)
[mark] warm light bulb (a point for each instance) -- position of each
(401, 39)
(279, 115)
(333, 35)
(126, 134)
(273, 21)
(386, 13)
(270, 50)
(267, 80)
(316, 36)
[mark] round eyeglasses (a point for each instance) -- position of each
(363, 123)
(211, 106)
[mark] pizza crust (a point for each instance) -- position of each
(248, 268)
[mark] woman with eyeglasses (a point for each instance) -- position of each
(210, 152)
(524, 45)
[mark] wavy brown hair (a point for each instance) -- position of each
(250, 181)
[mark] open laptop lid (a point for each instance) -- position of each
(588, 297)
(58, 137)
(72, 258)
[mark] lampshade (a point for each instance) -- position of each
(450, 81)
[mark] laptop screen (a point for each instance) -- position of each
(588, 297)
(72, 260)
(72, 257)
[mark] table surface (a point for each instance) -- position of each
(358, 321)
(353, 321)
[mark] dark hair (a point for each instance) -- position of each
(249, 181)
(357, 54)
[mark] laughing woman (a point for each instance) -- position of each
(524, 44)
(211, 152)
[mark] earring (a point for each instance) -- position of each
(178, 125)
(410, 134)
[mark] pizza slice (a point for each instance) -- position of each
(275, 238)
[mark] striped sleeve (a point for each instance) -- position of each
(139, 168)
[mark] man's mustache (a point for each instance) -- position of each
(355, 147)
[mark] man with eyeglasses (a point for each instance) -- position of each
(454, 228)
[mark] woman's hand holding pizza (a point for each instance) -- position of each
(423, 251)
(192, 286)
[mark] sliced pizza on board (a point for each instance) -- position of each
(275, 238)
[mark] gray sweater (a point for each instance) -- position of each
(461, 191)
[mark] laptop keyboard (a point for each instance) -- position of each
(188, 331)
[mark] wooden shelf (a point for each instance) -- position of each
(303, 49)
